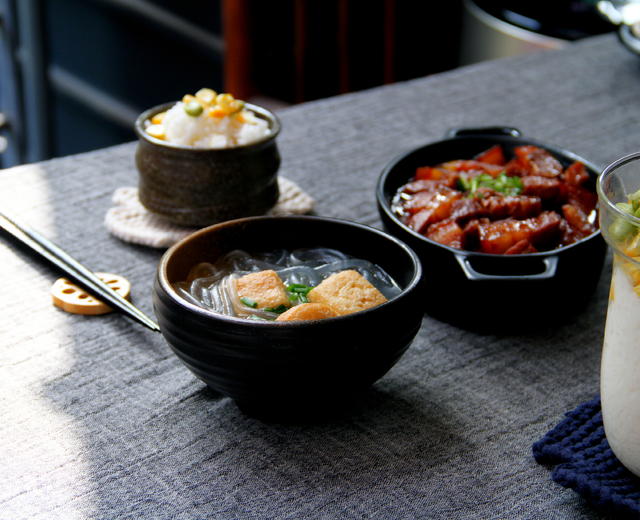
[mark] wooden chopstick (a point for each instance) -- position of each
(74, 269)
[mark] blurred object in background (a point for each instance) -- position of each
(495, 29)
(11, 126)
(626, 15)
(619, 12)
(76, 73)
(300, 50)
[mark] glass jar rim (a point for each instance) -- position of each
(606, 173)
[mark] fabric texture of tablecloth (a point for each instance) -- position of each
(100, 420)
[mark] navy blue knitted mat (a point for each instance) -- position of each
(583, 461)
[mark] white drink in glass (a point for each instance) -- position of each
(620, 368)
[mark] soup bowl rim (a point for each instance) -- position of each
(166, 286)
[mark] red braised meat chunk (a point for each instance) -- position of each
(569, 235)
(546, 188)
(545, 230)
(438, 197)
(576, 174)
(516, 206)
(427, 207)
(422, 185)
(446, 232)
(471, 234)
(516, 168)
(578, 221)
(521, 248)
(471, 166)
(494, 155)
(542, 232)
(427, 173)
(537, 161)
(465, 209)
(579, 197)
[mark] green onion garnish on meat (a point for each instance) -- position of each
(463, 183)
(502, 183)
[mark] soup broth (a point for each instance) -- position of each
(214, 286)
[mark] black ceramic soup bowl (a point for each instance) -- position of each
(286, 365)
(490, 292)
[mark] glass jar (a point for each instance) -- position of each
(619, 197)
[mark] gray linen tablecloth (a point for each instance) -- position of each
(98, 419)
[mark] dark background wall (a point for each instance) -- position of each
(85, 68)
(124, 56)
(75, 73)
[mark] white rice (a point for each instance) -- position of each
(212, 132)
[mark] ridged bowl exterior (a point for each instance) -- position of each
(199, 186)
(277, 364)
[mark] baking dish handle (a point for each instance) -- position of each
(487, 130)
(550, 268)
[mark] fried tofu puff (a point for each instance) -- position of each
(346, 292)
(308, 311)
(264, 288)
(341, 293)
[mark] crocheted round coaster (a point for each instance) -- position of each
(130, 221)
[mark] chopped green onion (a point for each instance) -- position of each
(463, 183)
(249, 302)
(278, 310)
(299, 288)
(474, 184)
(502, 183)
(298, 292)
